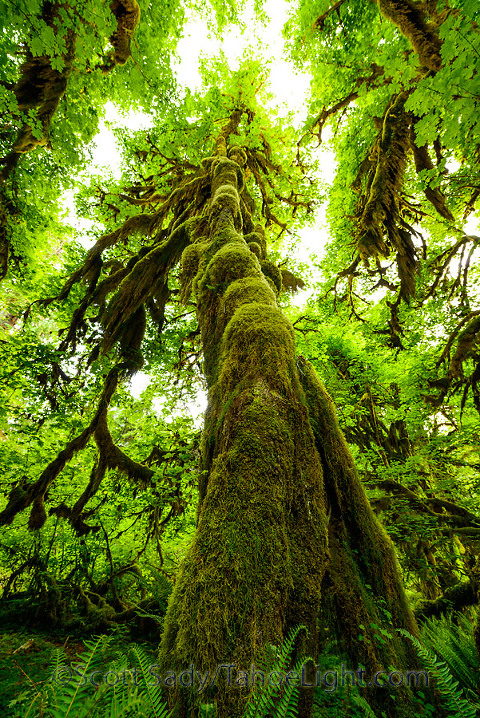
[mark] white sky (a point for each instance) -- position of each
(289, 91)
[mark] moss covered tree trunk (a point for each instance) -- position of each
(275, 463)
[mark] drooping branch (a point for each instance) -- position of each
(370, 81)
(467, 340)
(434, 195)
(441, 264)
(27, 494)
(110, 457)
(319, 23)
(457, 516)
(41, 87)
(39, 90)
(142, 281)
(142, 224)
(454, 598)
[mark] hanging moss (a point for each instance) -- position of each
(38, 514)
(40, 88)
(379, 224)
(131, 335)
(188, 269)
(290, 282)
(147, 274)
(467, 340)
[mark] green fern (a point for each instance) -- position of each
(452, 638)
(288, 704)
(57, 698)
(121, 701)
(265, 700)
(359, 702)
(446, 683)
(68, 698)
(151, 696)
(121, 704)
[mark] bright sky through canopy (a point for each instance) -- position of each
(287, 92)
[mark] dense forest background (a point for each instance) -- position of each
(115, 287)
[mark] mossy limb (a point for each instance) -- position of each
(256, 249)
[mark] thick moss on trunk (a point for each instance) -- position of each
(258, 562)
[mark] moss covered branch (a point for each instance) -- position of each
(410, 17)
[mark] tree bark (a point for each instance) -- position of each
(274, 462)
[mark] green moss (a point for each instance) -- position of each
(258, 341)
(259, 554)
(256, 249)
(224, 172)
(271, 271)
(189, 268)
(226, 199)
(246, 291)
(259, 238)
(362, 585)
(232, 261)
(239, 578)
(238, 155)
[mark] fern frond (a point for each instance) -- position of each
(288, 704)
(123, 704)
(151, 694)
(263, 701)
(452, 638)
(446, 684)
(360, 702)
(68, 701)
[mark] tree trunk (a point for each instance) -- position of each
(274, 461)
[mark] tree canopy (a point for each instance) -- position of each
(276, 514)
